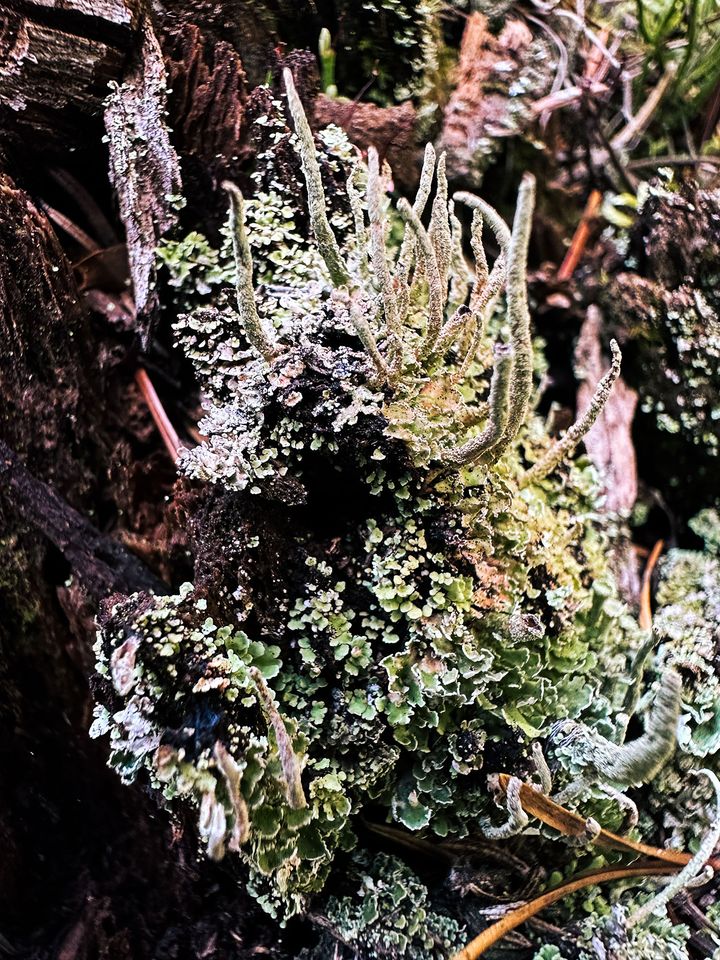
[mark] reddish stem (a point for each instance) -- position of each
(157, 411)
(579, 241)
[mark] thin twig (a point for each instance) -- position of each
(580, 238)
(170, 438)
(489, 937)
(637, 126)
(672, 160)
(645, 618)
(71, 228)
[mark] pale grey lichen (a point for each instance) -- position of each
(687, 627)
(694, 869)
(599, 760)
(605, 933)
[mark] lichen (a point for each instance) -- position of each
(423, 607)
(666, 299)
(605, 933)
(686, 626)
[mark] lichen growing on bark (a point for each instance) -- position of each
(424, 609)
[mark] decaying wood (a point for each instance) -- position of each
(100, 563)
(391, 130)
(144, 168)
(56, 60)
(208, 89)
(480, 107)
(609, 444)
(46, 378)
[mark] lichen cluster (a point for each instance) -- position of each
(385, 913)
(441, 595)
(605, 933)
(681, 795)
(687, 625)
(670, 306)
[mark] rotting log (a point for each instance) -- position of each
(56, 60)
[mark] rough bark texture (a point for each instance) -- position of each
(48, 387)
(56, 60)
(90, 868)
(208, 88)
(480, 107)
(144, 168)
(100, 563)
(391, 130)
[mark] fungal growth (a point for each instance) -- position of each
(393, 594)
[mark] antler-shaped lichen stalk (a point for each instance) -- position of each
(498, 402)
(541, 769)
(451, 330)
(232, 773)
(247, 308)
(567, 443)
(358, 314)
(361, 243)
(482, 271)
(378, 247)
(460, 274)
(517, 818)
(439, 231)
(518, 317)
(641, 759)
(407, 248)
(317, 208)
(288, 758)
(487, 284)
(435, 297)
(691, 870)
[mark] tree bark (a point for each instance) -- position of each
(90, 867)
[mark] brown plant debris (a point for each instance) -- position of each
(391, 130)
